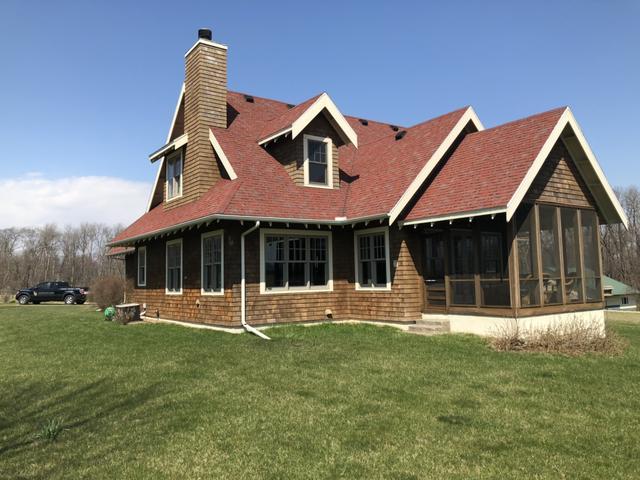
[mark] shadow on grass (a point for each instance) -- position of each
(25, 407)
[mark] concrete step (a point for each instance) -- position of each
(420, 329)
(434, 323)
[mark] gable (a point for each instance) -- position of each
(560, 182)
(290, 152)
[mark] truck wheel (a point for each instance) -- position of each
(23, 299)
(69, 299)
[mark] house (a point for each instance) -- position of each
(618, 295)
(266, 212)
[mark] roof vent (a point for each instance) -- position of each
(364, 122)
(401, 134)
(205, 34)
(249, 98)
(290, 105)
(394, 128)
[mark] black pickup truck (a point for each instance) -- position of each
(52, 292)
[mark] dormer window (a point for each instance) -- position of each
(318, 164)
(174, 174)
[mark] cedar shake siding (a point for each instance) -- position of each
(205, 106)
(402, 304)
(290, 153)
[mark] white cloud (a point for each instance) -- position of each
(35, 200)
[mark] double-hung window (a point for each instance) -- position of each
(212, 263)
(174, 174)
(174, 267)
(372, 259)
(294, 261)
(318, 168)
(142, 266)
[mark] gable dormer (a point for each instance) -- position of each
(305, 140)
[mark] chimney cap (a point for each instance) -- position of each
(204, 33)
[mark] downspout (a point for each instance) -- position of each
(243, 292)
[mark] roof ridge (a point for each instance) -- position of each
(528, 117)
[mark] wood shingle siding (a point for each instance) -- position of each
(403, 303)
(205, 106)
(559, 182)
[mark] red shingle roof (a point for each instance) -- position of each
(486, 169)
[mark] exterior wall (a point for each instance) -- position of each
(290, 153)
(402, 304)
(559, 182)
(205, 106)
(615, 302)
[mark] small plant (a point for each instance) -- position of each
(50, 430)
(572, 338)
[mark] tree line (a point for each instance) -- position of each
(620, 246)
(73, 254)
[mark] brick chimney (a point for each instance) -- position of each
(205, 106)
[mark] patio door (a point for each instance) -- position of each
(434, 272)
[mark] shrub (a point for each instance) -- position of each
(572, 338)
(107, 291)
(50, 430)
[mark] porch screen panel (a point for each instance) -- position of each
(571, 255)
(550, 254)
(462, 282)
(494, 284)
(527, 256)
(591, 259)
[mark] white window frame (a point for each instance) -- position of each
(329, 146)
(309, 288)
(171, 157)
(166, 266)
(215, 233)
(142, 283)
(356, 255)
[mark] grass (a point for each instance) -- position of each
(332, 401)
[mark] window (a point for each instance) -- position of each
(571, 255)
(142, 266)
(212, 254)
(295, 261)
(494, 284)
(550, 255)
(624, 300)
(174, 175)
(372, 259)
(318, 171)
(462, 281)
(174, 267)
(591, 256)
(527, 256)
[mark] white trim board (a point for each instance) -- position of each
(468, 116)
(329, 151)
(455, 216)
(322, 102)
(565, 119)
(221, 155)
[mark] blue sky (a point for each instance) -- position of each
(88, 88)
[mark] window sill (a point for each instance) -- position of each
(318, 185)
(373, 289)
(167, 292)
(211, 294)
(167, 200)
(295, 290)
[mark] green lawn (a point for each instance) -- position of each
(332, 401)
